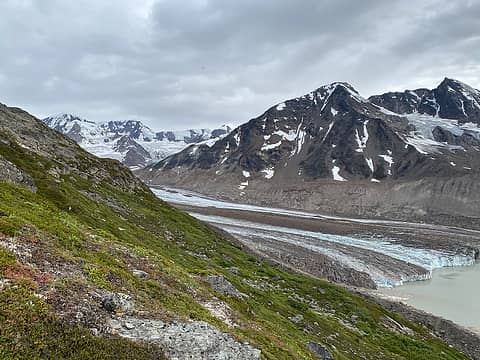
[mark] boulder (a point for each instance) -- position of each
(320, 351)
(221, 285)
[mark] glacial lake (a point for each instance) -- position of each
(453, 293)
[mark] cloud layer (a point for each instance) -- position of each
(206, 62)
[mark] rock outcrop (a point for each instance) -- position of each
(193, 340)
(320, 351)
(221, 285)
(10, 173)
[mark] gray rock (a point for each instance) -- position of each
(10, 173)
(129, 326)
(320, 351)
(296, 319)
(140, 274)
(220, 284)
(118, 303)
(193, 340)
(321, 291)
(234, 270)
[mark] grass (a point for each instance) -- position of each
(113, 231)
(30, 332)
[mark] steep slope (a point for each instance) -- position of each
(307, 151)
(130, 141)
(90, 258)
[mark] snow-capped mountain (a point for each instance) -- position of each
(335, 136)
(129, 141)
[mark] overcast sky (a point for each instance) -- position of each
(201, 63)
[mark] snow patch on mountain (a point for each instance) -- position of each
(362, 140)
(269, 173)
(336, 174)
(389, 160)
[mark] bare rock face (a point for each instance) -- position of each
(10, 173)
(194, 340)
(135, 154)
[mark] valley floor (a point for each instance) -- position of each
(367, 253)
(355, 252)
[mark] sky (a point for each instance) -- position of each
(202, 63)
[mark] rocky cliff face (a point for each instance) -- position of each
(129, 141)
(333, 135)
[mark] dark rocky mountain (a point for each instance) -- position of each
(130, 141)
(333, 138)
(452, 99)
(135, 154)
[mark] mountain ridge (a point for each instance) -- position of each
(140, 144)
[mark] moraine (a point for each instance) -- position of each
(384, 250)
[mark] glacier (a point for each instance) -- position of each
(327, 244)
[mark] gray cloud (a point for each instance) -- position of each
(206, 62)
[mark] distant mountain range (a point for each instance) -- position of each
(129, 141)
(407, 154)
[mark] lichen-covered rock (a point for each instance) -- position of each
(221, 285)
(320, 351)
(194, 340)
(140, 274)
(296, 319)
(118, 303)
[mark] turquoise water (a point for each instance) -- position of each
(452, 293)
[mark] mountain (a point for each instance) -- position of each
(129, 141)
(395, 155)
(94, 266)
(452, 99)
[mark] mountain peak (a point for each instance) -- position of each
(452, 84)
(459, 86)
(64, 118)
(451, 99)
(339, 90)
(457, 100)
(338, 84)
(129, 141)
